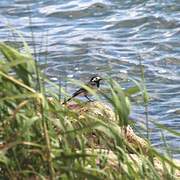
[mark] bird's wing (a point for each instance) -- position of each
(78, 92)
(84, 91)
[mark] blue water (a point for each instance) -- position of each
(107, 38)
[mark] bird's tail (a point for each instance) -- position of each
(65, 101)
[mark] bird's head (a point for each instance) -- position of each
(96, 79)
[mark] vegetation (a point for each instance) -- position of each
(42, 139)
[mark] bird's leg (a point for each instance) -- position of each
(88, 98)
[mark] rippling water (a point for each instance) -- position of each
(107, 37)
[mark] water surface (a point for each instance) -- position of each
(107, 37)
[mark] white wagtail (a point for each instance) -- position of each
(94, 83)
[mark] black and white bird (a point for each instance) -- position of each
(94, 83)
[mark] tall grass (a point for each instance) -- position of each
(43, 139)
(145, 97)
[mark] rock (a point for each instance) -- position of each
(101, 110)
(98, 109)
(135, 161)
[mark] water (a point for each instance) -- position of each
(107, 38)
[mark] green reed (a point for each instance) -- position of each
(42, 139)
